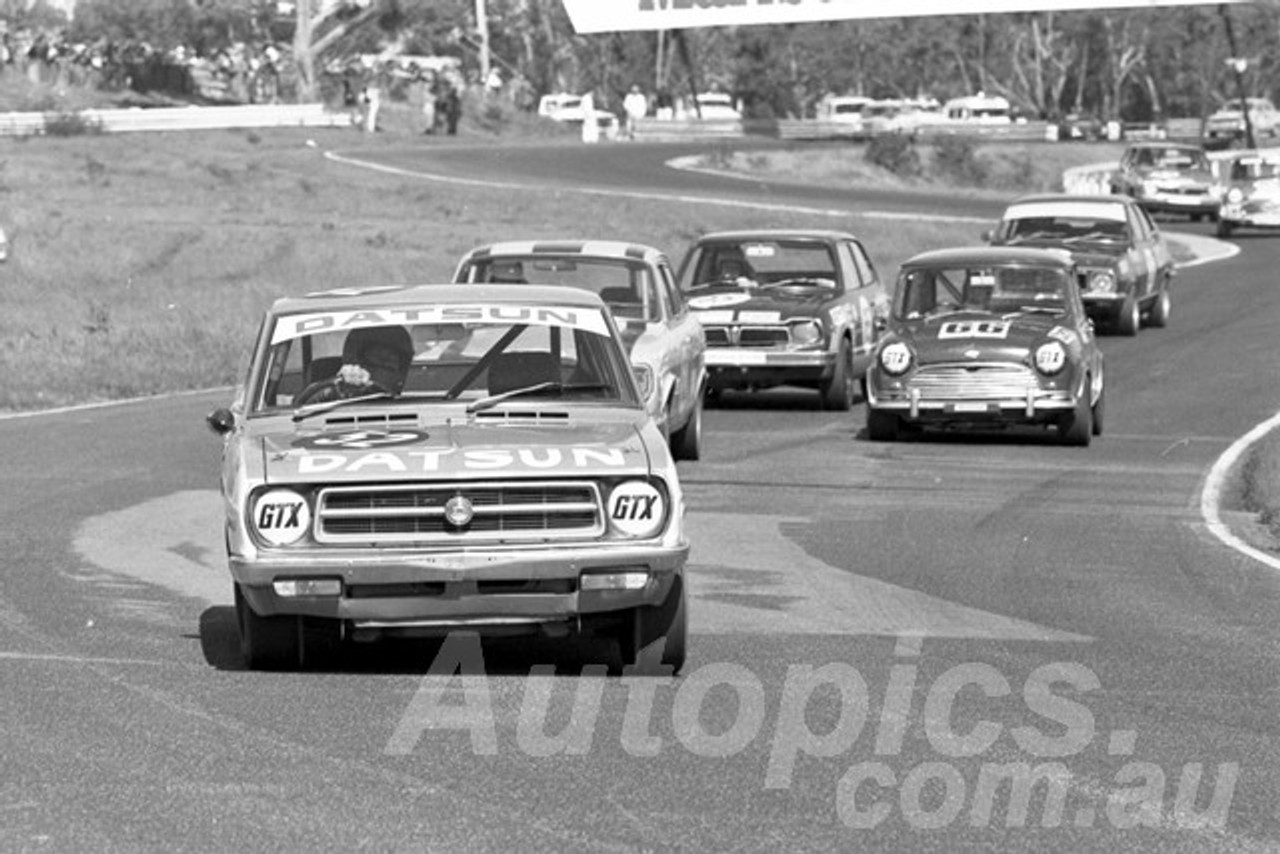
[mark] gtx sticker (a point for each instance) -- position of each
(974, 329)
(362, 439)
(719, 300)
(413, 462)
(298, 325)
(636, 508)
(281, 516)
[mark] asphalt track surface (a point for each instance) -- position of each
(884, 636)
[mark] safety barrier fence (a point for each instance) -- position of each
(177, 118)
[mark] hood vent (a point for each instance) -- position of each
(541, 418)
(382, 419)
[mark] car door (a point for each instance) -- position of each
(871, 300)
(688, 343)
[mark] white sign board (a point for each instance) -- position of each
(605, 16)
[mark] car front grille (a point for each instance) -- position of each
(748, 336)
(410, 514)
(974, 382)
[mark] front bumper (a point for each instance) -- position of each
(1030, 406)
(1184, 203)
(403, 591)
(1242, 215)
(729, 367)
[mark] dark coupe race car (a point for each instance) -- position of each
(785, 307)
(1121, 256)
(987, 336)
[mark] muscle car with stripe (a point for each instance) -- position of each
(479, 459)
(785, 307)
(1124, 264)
(987, 337)
(664, 340)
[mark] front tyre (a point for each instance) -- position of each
(838, 392)
(267, 643)
(1130, 317)
(1076, 427)
(1159, 314)
(653, 640)
(686, 443)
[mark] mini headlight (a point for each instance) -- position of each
(807, 332)
(1102, 281)
(895, 358)
(636, 509)
(281, 517)
(1051, 357)
(1235, 195)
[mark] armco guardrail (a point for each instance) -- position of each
(181, 118)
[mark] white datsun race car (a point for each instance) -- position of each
(413, 460)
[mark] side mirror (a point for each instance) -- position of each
(987, 236)
(221, 421)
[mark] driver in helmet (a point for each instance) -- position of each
(375, 359)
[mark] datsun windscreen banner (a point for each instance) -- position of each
(605, 16)
(574, 317)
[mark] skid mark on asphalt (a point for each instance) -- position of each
(746, 576)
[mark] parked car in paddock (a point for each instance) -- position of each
(568, 108)
(662, 336)
(1250, 191)
(987, 336)
(1122, 259)
(785, 307)
(406, 461)
(1168, 177)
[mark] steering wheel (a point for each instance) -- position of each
(332, 388)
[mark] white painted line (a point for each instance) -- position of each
(76, 659)
(1211, 496)
(109, 404)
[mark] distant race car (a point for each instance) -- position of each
(785, 307)
(662, 336)
(1251, 191)
(1168, 177)
(1121, 256)
(1226, 127)
(987, 336)
(407, 461)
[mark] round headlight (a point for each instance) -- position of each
(281, 517)
(895, 358)
(806, 333)
(636, 509)
(1051, 357)
(1102, 281)
(1235, 195)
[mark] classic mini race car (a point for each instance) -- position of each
(663, 338)
(410, 461)
(987, 336)
(785, 307)
(1168, 177)
(1251, 191)
(1122, 259)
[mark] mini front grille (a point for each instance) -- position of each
(409, 514)
(975, 382)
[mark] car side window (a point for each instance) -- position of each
(866, 270)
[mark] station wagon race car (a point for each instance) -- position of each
(785, 307)
(414, 460)
(663, 338)
(991, 337)
(1122, 260)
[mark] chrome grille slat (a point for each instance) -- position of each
(974, 381)
(407, 514)
(748, 336)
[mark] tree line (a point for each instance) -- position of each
(1134, 65)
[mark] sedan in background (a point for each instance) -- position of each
(785, 307)
(1168, 177)
(662, 336)
(1121, 257)
(987, 336)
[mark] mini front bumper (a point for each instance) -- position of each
(1032, 407)
(401, 590)
(1241, 215)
